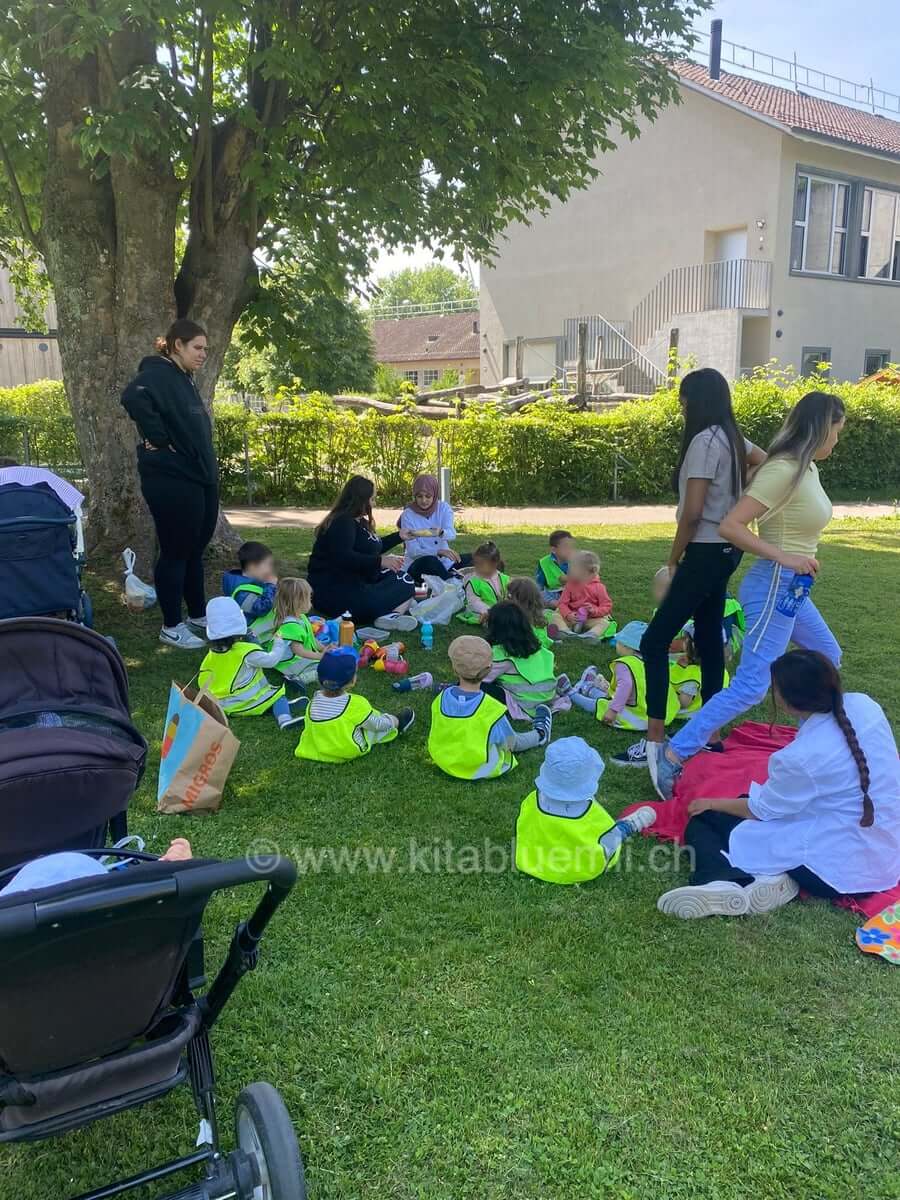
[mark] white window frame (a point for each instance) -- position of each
(866, 234)
(430, 375)
(834, 184)
(412, 376)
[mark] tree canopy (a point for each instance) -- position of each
(432, 284)
(301, 129)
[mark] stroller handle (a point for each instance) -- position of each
(24, 522)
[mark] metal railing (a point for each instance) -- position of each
(733, 283)
(798, 76)
(609, 348)
(407, 309)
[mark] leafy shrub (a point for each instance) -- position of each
(548, 455)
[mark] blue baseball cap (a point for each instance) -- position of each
(631, 634)
(337, 667)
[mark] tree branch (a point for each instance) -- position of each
(21, 208)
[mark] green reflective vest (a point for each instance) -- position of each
(690, 673)
(263, 625)
(533, 681)
(734, 609)
(461, 745)
(332, 740)
(561, 849)
(297, 629)
(554, 576)
(485, 592)
(219, 674)
(634, 716)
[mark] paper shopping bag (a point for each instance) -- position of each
(198, 749)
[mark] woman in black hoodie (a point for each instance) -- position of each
(179, 474)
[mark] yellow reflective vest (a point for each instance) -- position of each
(561, 849)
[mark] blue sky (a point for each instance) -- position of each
(855, 39)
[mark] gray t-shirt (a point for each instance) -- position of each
(709, 457)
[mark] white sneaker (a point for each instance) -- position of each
(181, 638)
(402, 621)
(768, 892)
(642, 818)
(720, 899)
(197, 623)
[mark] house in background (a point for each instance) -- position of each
(749, 222)
(25, 357)
(422, 348)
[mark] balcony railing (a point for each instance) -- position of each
(734, 283)
(407, 309)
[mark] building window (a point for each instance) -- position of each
(879, 244)
(430, 376)
(819, 240)
(875, 361)
(413, 376)
(811, 359)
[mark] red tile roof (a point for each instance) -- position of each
(410, 339)
(804, 113)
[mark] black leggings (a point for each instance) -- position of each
(185, 515)
(430, 564)
(707, 834)
(698, 590)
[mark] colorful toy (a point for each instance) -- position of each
(368, 652)
(390, 659)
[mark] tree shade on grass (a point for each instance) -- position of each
(440, 1032)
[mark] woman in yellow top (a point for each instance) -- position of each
(791, 509)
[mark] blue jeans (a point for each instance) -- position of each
(769, 633)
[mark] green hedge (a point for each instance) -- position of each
(549, 455)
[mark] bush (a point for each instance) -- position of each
(548, 455)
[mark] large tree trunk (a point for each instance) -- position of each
(108, 244)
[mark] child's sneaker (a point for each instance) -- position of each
(423, 682)
(588, 678)
(554, 633)
(634, 756)
(405, 719)
(717, 747)
(294, 719)
(543, 723)
(181, 638)
(301, 703)
(563, 685)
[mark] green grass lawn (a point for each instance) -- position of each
(441, 1033)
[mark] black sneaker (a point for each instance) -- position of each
(543, 723)
(405, 720)
(634, 756)
(715, 747)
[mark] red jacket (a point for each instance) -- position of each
(592, 597)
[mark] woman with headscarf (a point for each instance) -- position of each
(426, 526)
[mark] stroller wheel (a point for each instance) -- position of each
(265, 1132)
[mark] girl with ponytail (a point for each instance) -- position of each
(827, 818)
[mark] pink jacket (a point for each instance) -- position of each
(592, 596)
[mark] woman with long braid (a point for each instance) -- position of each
(827, 819)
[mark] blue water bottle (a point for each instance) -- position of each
(797, 591)
(427, 636)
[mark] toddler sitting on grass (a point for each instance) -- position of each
(623, 702)
(485, 586)
(553, 568)
(584, 606)
(294, 636)
(563, 835)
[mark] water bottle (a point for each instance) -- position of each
(797, 591)
(427, 635)
(347, 631)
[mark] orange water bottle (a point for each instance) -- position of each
(347, 630)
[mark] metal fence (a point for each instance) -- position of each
(609, 348)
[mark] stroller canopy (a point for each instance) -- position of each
(38, 571)
(70, 757)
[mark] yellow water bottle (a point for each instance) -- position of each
(346, 631)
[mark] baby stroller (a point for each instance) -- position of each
(70, 757)
(41, 555)
(99, 1014)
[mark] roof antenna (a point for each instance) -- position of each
(715, 48)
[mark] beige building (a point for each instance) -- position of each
(748, 222)
(25, 357)
(423, 348)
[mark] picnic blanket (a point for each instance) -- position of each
(748, 749)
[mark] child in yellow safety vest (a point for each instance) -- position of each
(253, 585)
(470, 736)
(623, 701)
(553, 568)
(339, 726)
(485, 586)
(686, 678)
(233, 670)
(524, 668)
(563, 835)
(294, 636)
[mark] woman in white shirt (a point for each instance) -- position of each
(827, 819)
(426, 526)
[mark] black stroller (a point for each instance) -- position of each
(70, 757)
(98, 1014)
(41, 555)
